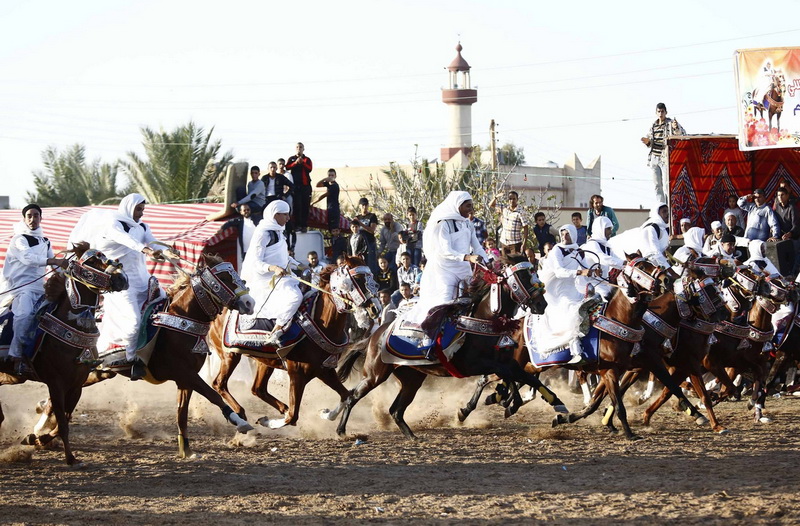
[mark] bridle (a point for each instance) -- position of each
(645, 284)
(212, 293)
(515, 283)
(96, 280)
(348, 293)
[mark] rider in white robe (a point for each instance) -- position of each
(559, 326)
(759, 261)
(28, 255)
(651, 239)
(692, 249)
(597, 249)
(450, 246)
(122, 236)
(267, 271)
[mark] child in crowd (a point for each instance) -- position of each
(577, 218)
(338, 244)
(491, 248)
(314, 267)
(386, 278)
(358, 245)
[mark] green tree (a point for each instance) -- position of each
(69, 180)
(511, 155)
(180, 165)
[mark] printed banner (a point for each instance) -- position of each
(768, 97)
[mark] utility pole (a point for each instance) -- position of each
(493, 145)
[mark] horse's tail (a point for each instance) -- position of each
(347, 363)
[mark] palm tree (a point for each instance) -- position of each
(68, 180)
(181, 165)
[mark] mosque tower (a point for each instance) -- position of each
(459, 97)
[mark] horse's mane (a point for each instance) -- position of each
(478, 286)
(56, 287)
(182, 280)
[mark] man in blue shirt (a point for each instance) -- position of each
(761, 221)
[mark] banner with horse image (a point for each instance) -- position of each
(768, 97)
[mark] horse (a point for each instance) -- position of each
(325, 325)
(70, 335)
(772, 100)
(179, 349)
(741, 341)
(485, 330)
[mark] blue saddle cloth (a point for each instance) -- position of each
(590, 345)
(34, 335)
(407, 347)
(250, 338)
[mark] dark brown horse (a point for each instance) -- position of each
(772, 100)
(740, 343)
(179, 349)
(326, 337)
(69, 331)
(477, 356)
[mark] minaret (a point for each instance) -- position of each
(459, 97)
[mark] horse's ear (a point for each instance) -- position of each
(201, 261)
(631, 257)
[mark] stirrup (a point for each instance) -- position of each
(138, 370)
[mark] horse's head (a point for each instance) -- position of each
(91, 272)
(217, 285)
(640, 280)
(705, 298)
(524, 285)
(356, 291)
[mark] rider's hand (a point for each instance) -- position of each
(279, 271)
(473, 258)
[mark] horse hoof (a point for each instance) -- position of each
(275, 423)
(765, 420)
(559, 419)
(462, 415)
(611, 430)
(325, 414)
(29, 440)
(244, 428)
(77, 465)
(701, 420)
(561, 409)
(750, 405)
(723, 431)
(40, 406)
(634, 438)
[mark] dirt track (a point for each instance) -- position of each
(489, 471)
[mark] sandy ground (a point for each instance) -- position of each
(487, 471)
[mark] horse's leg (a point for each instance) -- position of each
(655, 364)
(184, 396)
(472, 404)
(195, 383)
(410, 382)
(512, 372)
(702, 393)
(777, 367)
(228, 361)
(728, 388)
(663, 397)
(759, 396)
(260, 387)
(299, 376)
(594, 402)
(611, 379)
(331, 379)
(375, 373)
(58, 401)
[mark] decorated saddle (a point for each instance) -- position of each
(35, 333)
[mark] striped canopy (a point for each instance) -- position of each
(183, 226)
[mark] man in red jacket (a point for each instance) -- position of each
(300, 167)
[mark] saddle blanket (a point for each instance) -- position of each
(115, 355)
(35, 334)
(400, 344)
(590, 345)
(252, 335)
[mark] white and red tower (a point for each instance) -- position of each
(459, 97)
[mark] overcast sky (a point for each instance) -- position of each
(359, 82)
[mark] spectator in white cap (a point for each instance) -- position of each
(710, 246)
(732, 224)
(685, 224)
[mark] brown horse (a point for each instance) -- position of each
(179, 349)
(326, 337)
(740, 343)
(772, 100)
(69, 331)
(477, 356)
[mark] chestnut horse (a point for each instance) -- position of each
(326, 337)
(772, 100)
(69, 331)
(179, 350)
(477, 356)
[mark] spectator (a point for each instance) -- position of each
(255, 195)
(733, 208)
(656, 140)
(577, 218)
(419, 276)
(414, 233)
(684, 224)
(530, 255)
(369, 223)
(388, 240)
(275, 184)
(732, 224)
(314, 267)
(338, 244)
(407, 272)
(515, 226)
(480, 227)
(386, 278)
(491, 248)
(388, 309)
(726, 249)
(358, 245)
(596, 209)
(761, 221)
(340, 259)
(244, 227)
(404, 293)
(710, 245)
(543, 231)
(300, 166)
(789, 221)
(332, 193)
(288, 192)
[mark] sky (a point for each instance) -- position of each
(360, 82)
